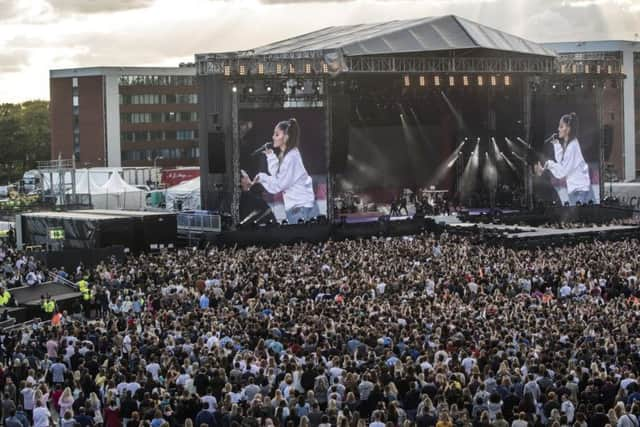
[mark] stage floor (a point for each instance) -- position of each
(529, 232)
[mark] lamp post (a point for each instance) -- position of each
(154, 169)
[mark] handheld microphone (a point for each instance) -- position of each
(551, 138)
(264, 146)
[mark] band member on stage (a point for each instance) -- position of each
(287, 174)
(569, 162)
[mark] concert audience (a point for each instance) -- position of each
(414, 331)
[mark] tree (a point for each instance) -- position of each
(25, 138)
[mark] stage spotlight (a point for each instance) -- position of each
(307, 68)
(234, 88)
(452, 81)
(248, 90)
(422, 81)
(465, 80)
(593, 85)
(407, 81)
(507, 80)
(480, 81)
(554, 86)
(300, 84)
(260, 68)
(325, 67)
(436, 80)
(278, 68)
(292, 69)
(316, 87)
(267, 86)
(283, 86)
(227, 70)
(581, 85)
(243, 70)
(494, 81)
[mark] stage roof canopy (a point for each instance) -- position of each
(433, 44)
(406, 36)
(431, 34)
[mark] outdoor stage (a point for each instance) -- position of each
(394, 111)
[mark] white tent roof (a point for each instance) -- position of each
(87, 185)
(116, 184)
(185, 187)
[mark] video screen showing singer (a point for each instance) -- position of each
(569, 163)
(287, 174)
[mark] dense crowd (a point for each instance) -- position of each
(415, 331)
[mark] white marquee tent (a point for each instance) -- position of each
(184, 196)
(115, 193)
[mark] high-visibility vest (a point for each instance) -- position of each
(82, 285)
(86, 295)
(49, 306)
(5, 298)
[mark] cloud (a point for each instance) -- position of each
(64, 7)
(12, 61)
(8, 9)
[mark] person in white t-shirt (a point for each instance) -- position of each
(41, 416)
(287, 174)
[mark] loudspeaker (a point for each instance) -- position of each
(607, 141)
(340, 141)
(217, 153)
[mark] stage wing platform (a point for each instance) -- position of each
(528, 236)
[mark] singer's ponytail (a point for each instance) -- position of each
(292, 130)
(571, 120)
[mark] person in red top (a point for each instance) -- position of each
(55, 396)
(112, 415)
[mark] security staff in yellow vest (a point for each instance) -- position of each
(48, 305)
(5, 297)
(83, 285)
(87, 294)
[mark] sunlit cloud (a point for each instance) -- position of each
(39, 35)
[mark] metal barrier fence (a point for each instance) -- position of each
(196, 222)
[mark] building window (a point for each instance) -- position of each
(137, 80)
(76, 100)
(74, 82)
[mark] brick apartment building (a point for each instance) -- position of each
(125, 116)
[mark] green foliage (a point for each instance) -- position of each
(25, 138)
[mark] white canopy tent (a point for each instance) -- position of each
(185, 195)
(115, 193)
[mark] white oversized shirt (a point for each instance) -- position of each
(570, 165)
(290, 178)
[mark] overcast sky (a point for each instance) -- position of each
(39, 35)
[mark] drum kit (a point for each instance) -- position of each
(348, 202)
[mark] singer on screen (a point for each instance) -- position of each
(569, 163)
(287, 174)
